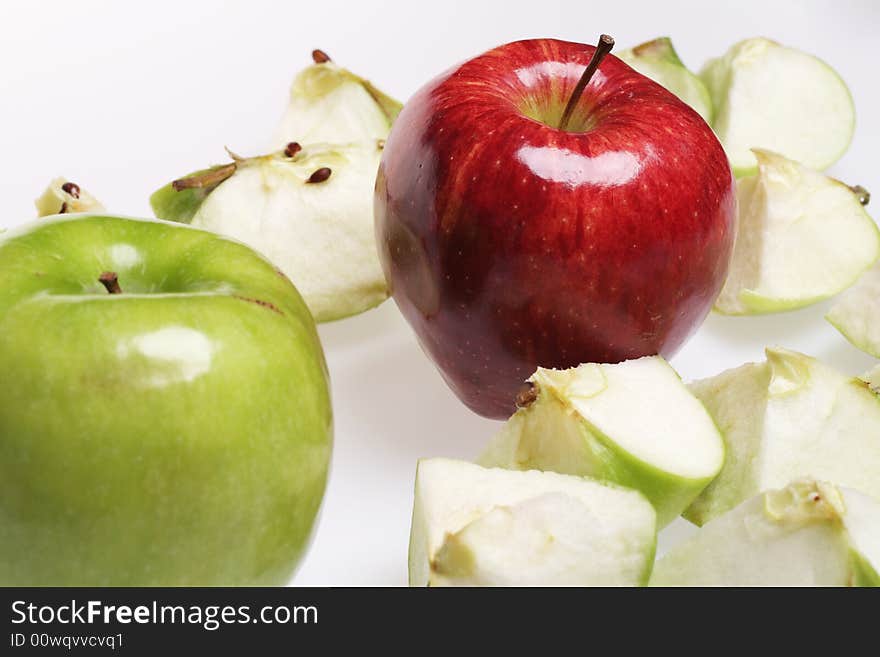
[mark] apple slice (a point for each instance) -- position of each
(475, 526)
(766, 95)
(333, 105)
(785, 418)
(658, 60)
(310, 211)
(634, 423)
(857, 314)
(802, 237)
(65, 197)
(809, 533)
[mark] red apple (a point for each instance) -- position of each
(511, 243)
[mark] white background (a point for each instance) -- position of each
(124, 96)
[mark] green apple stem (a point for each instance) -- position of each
(110, 281)
(606, 43)
(209, 178)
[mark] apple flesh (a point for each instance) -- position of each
(802, 237)
(658, 60)
(510, 244)
(308, 206)
(809, 533)
(475, 526)
(634, 423)
(329, 104)
(65, 197)
(785, 418)
(769, 96)
(857, 314)
(319, 233)
(177, 433)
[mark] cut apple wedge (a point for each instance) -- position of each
(658, 60)
(809, 533)
(309, 207)
(65, 197)
(802, 237)
(475, 526)
(633, 423)
(786, 418)
(766, 95)
(318, 230)
(857, 314)
(329, 104)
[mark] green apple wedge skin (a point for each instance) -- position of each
(320, 234)
(857, 313)
(475, 526)
(785, 418)
(633, 423)
(802, 237)
(176, 433)
(766, 95)
(810, 533)
(658, 60)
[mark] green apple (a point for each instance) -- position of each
(802, 237)
(857, 314)
(329, 104)
(766, 95)
(475, 526)
(164, 409)
(65, 197)
(658, 60)
(318, 231)
(809, 533)
(785, 418)
(633, 423)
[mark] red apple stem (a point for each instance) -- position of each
(606, 43)
(110, 281)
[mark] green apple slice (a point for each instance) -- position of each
(809, 533)
(802, 237)
(329, 104)
(633, 423)
(318, 231)
(857, 314)
(658, 60)
(475, 526)
(785, 418)
(65, 197)
(766, 95)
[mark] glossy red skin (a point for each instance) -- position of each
(509, 244)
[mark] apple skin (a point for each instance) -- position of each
(510, 244)
(178, 433)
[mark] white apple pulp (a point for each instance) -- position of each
(809, 533)
(769, 96)
(634, 423)
(786, 418)
(802, 237)
(476, 526)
